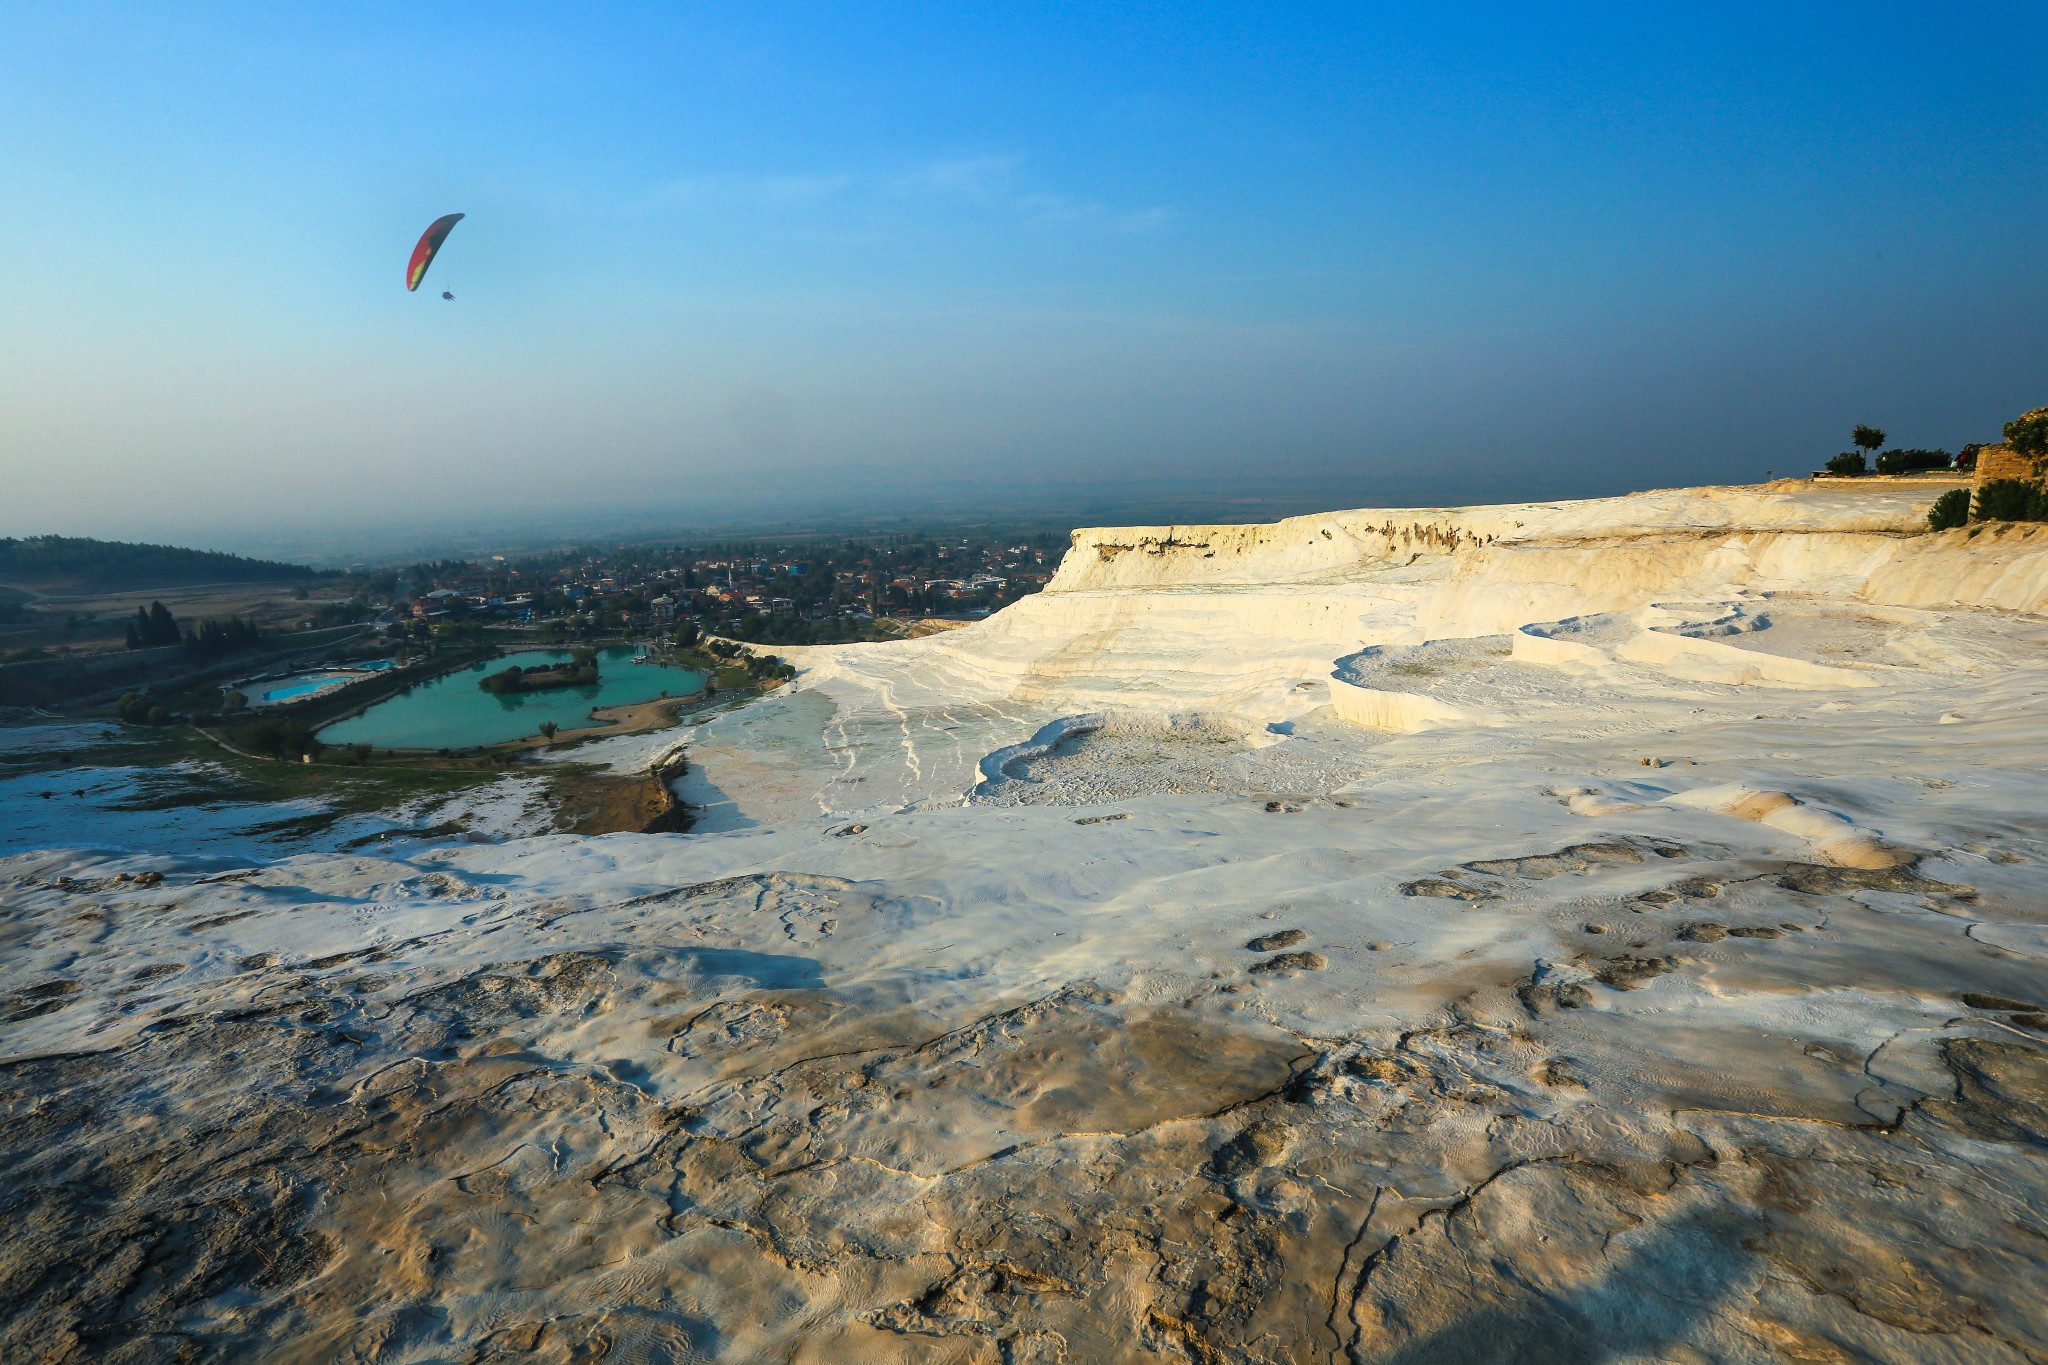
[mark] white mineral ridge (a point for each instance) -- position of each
(1596, 930)
(1257, 622)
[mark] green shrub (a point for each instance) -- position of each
(1848, 462)
(2008, 500)
(137, 709)
(1906, 461)
(1950, 510)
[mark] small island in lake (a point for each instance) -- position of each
(580, 671)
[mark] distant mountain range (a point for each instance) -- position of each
(114, 564)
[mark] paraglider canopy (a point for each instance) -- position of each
(430, 244)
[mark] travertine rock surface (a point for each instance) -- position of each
(1084, 986)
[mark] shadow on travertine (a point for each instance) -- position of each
(1645, 1302)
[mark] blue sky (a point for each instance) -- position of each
(1394, 253)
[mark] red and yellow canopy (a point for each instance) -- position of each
(430, 243)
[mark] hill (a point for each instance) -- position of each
(112, 564)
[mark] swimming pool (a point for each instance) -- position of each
(300, 689)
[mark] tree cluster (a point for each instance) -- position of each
(1848, 462)
(340, 613)
(38, 559)
(1895, 461)
(785, 628)
(278, 737)
(1907, 461)
(580, 671)
(137, 709)
(153, 628)
(757, 665)
(218, 639)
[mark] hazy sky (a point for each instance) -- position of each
(763, 250)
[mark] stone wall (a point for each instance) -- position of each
(2002, 462)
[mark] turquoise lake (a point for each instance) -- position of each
(452, 712)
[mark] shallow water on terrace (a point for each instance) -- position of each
(152, 809)
(452, 712)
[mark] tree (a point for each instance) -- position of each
(2028, 434)
(547, 730)
(1848, 462)
(163, 627)
(153, 626)
(1867, 438)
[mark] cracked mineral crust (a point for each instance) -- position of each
(1076, 1053)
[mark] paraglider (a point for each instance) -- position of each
(429, 246)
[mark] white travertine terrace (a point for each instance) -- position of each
(1262, 622)
(1608, 930)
